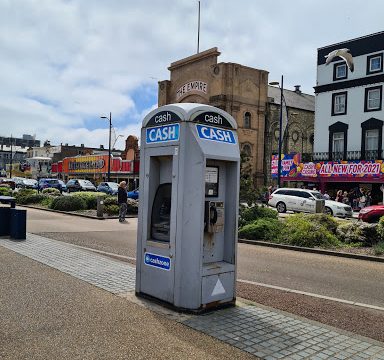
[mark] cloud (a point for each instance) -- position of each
(65, 63)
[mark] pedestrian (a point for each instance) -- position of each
(351, 196)
(345, 199)
(122, 198)
(362, 199)
(368, 198)
(339, 196)
(326, 196)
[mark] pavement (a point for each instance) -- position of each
(59, 301)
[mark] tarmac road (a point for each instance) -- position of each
(347, 279)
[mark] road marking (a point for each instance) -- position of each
(313, 295)
(374, 307)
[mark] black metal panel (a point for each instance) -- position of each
(363, 45)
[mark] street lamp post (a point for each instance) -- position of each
(109, 144)
(280, 128)
(11, 164)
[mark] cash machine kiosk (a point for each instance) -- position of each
(188, 209)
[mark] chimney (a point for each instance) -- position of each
(101, 147)
(297, 89)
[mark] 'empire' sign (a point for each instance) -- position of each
(190, 86)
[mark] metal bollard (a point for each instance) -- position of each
(100, 207)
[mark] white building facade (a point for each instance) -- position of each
(349, 114)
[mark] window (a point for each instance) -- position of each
(338, 142)
(339, 103)
(247, 120)
(247, 150)
(374, 63)
(339, 71)
(161, 213)
(338, 138)
(373, 97)
(371, 140)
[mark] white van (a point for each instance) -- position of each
(303, 200)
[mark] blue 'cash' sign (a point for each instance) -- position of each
(161, 262)
(215, 134)
(164, 133)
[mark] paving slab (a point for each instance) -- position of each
(260, 331)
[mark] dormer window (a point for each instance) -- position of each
(340, 71)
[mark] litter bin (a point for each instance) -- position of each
(4, 220)
(18, 224)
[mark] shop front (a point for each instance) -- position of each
(332, 176)
(95, 169)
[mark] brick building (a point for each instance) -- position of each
(239, 90)
(298, 136)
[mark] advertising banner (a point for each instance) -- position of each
(291, 167)
(85, 164)
(289, 163)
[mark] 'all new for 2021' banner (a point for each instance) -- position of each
(292, 167)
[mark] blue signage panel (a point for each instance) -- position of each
(161, 262)
(215, 134)
(163, 133)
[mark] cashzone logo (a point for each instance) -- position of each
(161, 262)
(163, 133)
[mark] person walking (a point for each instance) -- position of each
(339, 196)
(122, 198)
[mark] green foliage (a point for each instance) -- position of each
(5, 191)
(27, 196)
(247, 188)
(301, 231)
(89, 197)
(111, 209)
(380, 228)
(51, 191)
(378, 249)
(110, 200)
(133, 206)
(32, 199)
(23, 193)
(68, 203)
(358, 232)
(46, 201)
(250, 214)
(262, 229)
(327, 221)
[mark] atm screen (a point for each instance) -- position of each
(211, 181)
(161, 213)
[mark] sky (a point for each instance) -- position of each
(66, 63)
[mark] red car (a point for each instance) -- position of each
(372, 213)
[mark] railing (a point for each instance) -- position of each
(337, 156)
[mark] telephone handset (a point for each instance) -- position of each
(213, 216)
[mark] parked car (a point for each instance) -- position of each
(80, 185)
(372, 213)
(108, 187)
(49, 183)
(18, 181)
(134, 194)
(8, 182)
(304, 200)
(63, 186)
(22, 183)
